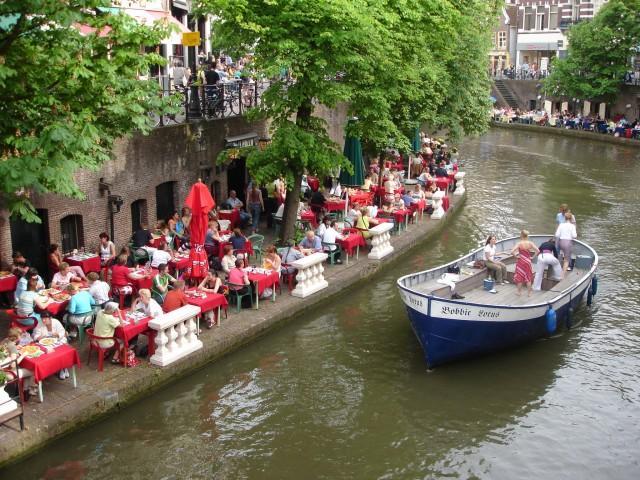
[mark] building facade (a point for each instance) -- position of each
(502, 54)
(542, 29)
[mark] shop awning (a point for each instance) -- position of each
(148, 17)
(244, 140)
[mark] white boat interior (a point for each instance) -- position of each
(471, 279)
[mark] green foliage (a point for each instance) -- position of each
(599, 52)
(67, 97)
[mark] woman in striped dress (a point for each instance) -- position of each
(524, 269)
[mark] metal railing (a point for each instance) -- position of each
(519, 74)
(206, 102)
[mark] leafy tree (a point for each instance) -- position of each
(598, 54)
(394, 62)
(66, 97)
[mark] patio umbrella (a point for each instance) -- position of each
(200, 202)
(416, 143)
(353, 151)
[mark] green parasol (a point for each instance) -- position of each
(353, 151)
(416, 144)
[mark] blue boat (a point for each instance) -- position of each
(485, 321)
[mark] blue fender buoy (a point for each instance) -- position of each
(569, 321)
(594, 285)
(552, 321)
(589, 297)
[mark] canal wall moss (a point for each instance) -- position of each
(100, 394)
(563, 132)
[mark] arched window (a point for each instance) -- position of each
(165, 200)
(72, 232)
(138, 214)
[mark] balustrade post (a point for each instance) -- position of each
(438, 210)
(310, 275)
(176, 337)
(381, 241)
(459, 183)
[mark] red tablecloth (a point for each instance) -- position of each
(308, 216)
(400, 215)
(57, 309)
(211, 302)
(47, 364)
(232, 215)
(8, 283)
(145, 281)
(363, 198)
(335, 205)
(264, 280)
(442, 183)
(314, 183)
(247, 246)
(445, 203)
(419, 206)
(351, 242)
(127, 332)
(91, 264)
(179, 263)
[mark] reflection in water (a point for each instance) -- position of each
(344, 393)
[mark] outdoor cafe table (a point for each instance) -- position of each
(212, 302)
(262, 281)
(8, 283)
(363, 198)
(247, 248)
(350, 242)
(131, 329)
(309, 216)
(443, 183)
(47, 364)
(179, 263)
(445, 202)
(419, 206)
(402, 216)
(232, 215)
(313, 182)
(88, 264)
(335, 205)
(141, 279)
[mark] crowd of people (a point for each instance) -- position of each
(619, 126)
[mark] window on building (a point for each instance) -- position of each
(553, 17)
(502, 39)
(165, 200)
(493, 40)
(529, 18)
(540, 18)
(575, 10)
(138, 214)
(72, 232)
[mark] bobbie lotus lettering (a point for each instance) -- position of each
(463, 312)
(469, 313)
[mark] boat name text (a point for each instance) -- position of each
(465, 312)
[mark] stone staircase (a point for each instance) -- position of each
(506, 94)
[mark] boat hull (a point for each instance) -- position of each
(450, 330)
(445, 340)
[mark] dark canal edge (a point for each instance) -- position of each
(142, 381)
(563, 132)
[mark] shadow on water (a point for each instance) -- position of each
(344, 392)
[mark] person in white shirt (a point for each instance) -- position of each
(565, 234)
(161, 256)
(98, 289)
(51, 327)
(497, 268)
(147, 305)
(330, 236)
(322, 228)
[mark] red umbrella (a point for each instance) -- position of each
(200, 202)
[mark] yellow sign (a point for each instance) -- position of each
(191, 39)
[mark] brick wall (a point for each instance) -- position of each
(175, 153)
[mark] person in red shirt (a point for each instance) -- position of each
(175, 298)
(120, 276)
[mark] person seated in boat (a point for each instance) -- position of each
(495, 266)
(548, 258)
(524, 268)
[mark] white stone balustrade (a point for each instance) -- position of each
(177, 335)
(438, 210)
(310, 278)
(380, 241)
(459, 183)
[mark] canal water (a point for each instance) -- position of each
(343, 393)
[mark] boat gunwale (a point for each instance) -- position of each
(563, 293)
